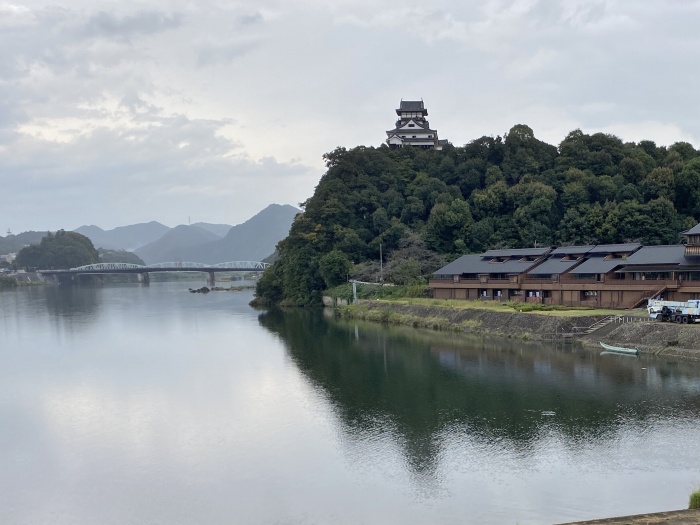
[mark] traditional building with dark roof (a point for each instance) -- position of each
(412, 128)
(611, 276)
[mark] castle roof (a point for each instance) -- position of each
(412, 105)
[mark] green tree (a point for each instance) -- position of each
(688, 188)
(119, 256)
(660, 183)
(334, 268)
(405, 272)
(448, 224)
(64, 250)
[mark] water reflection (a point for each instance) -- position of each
(72, 307)
(426, 388)
(124, 404)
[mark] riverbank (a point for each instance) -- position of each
(21, 279)
(678, 517)
(653, 338)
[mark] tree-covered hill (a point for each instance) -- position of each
(512, 191)
(62, 250)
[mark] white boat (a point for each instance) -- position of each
(619, 349)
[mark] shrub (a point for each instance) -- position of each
(7, 282)
(694, 500)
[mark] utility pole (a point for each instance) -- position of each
(381, 265)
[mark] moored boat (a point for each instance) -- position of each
(619, 349)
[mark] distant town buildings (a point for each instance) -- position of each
(412, 128)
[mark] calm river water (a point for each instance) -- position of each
(148, 404)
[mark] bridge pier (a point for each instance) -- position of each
(211, 279)
(144, 278)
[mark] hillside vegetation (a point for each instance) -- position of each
(427, 207)
(61, 251)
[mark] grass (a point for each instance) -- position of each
(495, 306)
(376, 291)
(694, 500)
(388, 317)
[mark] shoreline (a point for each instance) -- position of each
(650, 337)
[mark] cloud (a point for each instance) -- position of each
(213, 53)
(138, 108)
(167, 168)
(107, 25)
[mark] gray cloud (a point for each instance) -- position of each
(170, 169)
(143, 23)
(252, 19)
(146, 109)
(211, 53)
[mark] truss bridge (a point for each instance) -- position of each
(144, 271)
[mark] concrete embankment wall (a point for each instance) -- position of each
(506, 324)
(27, 278)
(654, 338)
(333, 301)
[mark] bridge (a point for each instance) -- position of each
(144, 271)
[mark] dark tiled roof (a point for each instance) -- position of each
(414, 130)
(695, 230)
(570, 250)
(477, 264)
(519, 252)
(459, 266)
(669, 254)
(597, 265)
(412, 105)
(552, 266)
(616, 248)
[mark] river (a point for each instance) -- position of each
(148, 404)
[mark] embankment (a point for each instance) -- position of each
(661, 339)
(655, 338)
(21, 279)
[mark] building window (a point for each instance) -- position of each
(414, 136)
(411, 125)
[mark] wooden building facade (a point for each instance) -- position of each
(607, 276)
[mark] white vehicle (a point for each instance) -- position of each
(674, 311)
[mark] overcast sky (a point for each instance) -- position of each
(117, 112)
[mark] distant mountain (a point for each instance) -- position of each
(174, 244)
(253, 240)
(124, 237)
(218, 229)
(14, 243)
(204, 242)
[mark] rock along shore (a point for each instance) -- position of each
(651, 338)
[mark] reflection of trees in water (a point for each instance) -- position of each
(73, 304)
(417, 386)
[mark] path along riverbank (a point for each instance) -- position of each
(652, 338)
(679, 517)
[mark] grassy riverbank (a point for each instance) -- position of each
(532, 322)
(503, 319)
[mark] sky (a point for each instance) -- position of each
(119, 112)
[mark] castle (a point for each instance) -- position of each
(412, 128)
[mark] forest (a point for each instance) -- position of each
(62, 250)
(422, 208)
